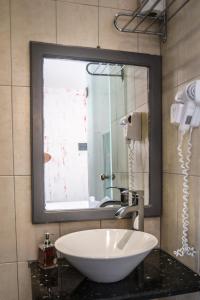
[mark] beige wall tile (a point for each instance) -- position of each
(170, 142)
(5, 59)
(7, 228)
(120, 4)
(122, 223)
(21, 130)
(195, 162)
(87, 2)
(168, 98)
(6, 157)
(77, 24)
(152, 226)
(109, 37)
(189, 65)
(24, 281)
(169, 228)
(69, 227)
(31, 21)
(28, 235)
(148, 44)
(8, 286)
(169, 68)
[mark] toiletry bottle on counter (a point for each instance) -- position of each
(47, 253)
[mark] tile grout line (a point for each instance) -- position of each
(56, 17)
(13, 85)
(179, 174)
(98, 25)
(12, 115)
(103, 6)
(16, 175)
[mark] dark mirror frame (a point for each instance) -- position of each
(39, 51)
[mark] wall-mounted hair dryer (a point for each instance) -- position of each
(132, 127)
(185, 112)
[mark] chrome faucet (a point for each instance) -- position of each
(136, 208)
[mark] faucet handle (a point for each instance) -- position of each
(136, 196)
(124, 194)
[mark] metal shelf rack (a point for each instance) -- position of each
(105, 69)
(160, 18)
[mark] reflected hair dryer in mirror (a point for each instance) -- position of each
(132, 127)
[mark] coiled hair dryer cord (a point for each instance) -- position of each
(185, 167)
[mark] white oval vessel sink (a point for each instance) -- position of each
(106, 255)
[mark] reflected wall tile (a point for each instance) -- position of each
(129, 88)
(21, 130)
(122, 149)
(114, 147)
(77, 24)
(6, 157)
(7, 216)
(8, 286)
(69, 227)
(28, 235)
(24, 281)
(141, 161)
(5, 60)
(146, 188)
(141, 183)
(141, 86)
(121, 180)
(30, 21)
(109, 37)
(138, 181)
(119, 149)
(152, 226)
(119, 224)
(142, 148)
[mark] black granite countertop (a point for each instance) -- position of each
(159, 275)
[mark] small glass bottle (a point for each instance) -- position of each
(47, 253)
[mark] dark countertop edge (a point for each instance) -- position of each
(151, 294)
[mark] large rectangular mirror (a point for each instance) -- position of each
(83, 155)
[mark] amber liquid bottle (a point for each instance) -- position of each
(47, 254)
